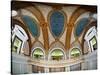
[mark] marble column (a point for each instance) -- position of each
(67, 68)
(46, 70)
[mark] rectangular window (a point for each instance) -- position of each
(16, 45)
(93, 43)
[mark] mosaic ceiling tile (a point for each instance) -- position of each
(57, 23)
(32, 25)
(80, 26)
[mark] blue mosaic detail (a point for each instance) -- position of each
(57, 23)
(80, 26)
(32, 25)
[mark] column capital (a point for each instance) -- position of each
(70, 24)
(43, 24)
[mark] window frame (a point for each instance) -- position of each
(12, 44)
(91, 46)
(75, 56)
(52, 57)
(33, 57)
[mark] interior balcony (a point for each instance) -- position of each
(23, 64)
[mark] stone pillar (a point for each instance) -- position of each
(92, 65)
(45, 36)
(29, 68)
(46, 70)
(84, 65)
(68, 36)
(67, 68)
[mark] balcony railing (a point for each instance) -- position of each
(55, 63)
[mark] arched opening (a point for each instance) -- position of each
(91, 38)
(75, 52)
(57, 54)
(38, 53)
(19, 37)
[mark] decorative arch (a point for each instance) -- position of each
(75, 52)
(92, 24)
(56, 44)
(79, 11)
(38, 53)
(36, 44)
(35, 11)
(30, 7)
(17, 22)
(42, 23)
(57, 53)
